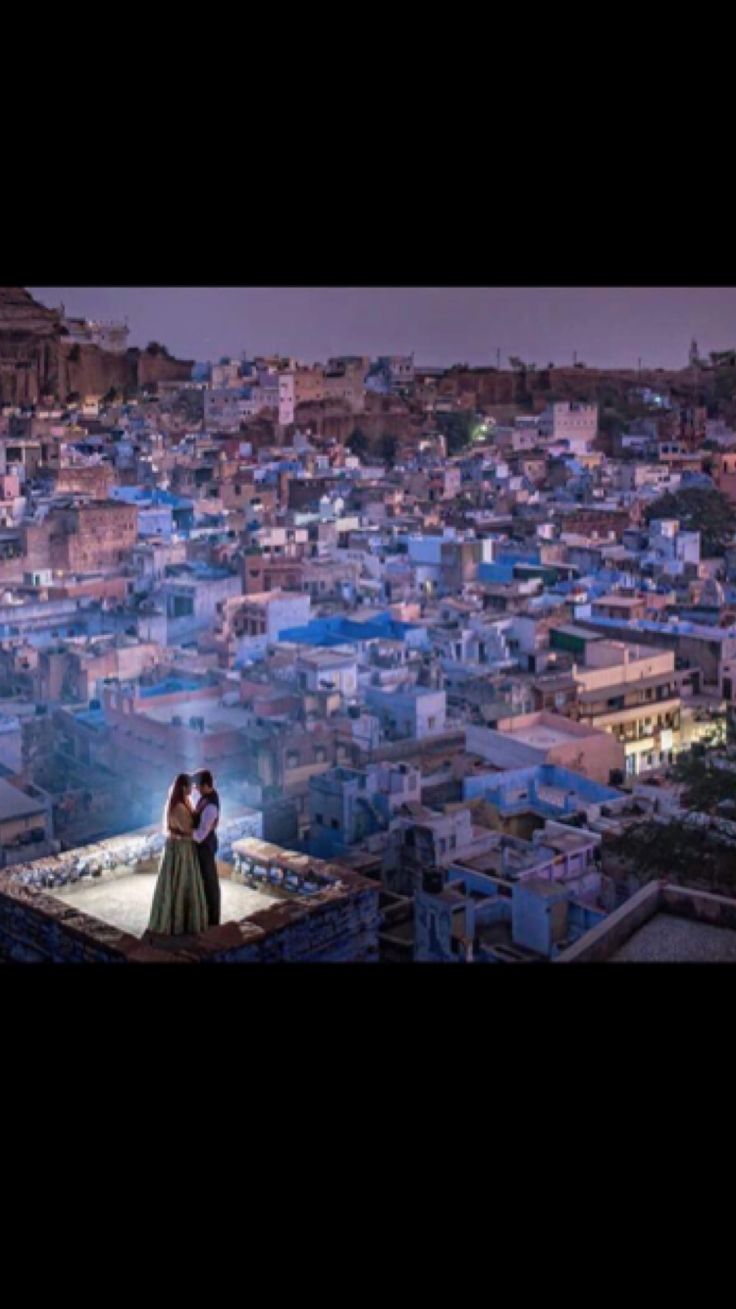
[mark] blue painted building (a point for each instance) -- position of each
(473, 917)
(549, 790)
(341, 630)
(347, 805)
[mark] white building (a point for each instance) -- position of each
(409, 714)
(570, 421)
(226, 375)
(287, 399)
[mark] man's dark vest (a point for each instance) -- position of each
(211, 840)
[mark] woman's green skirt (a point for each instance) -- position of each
(179, 905)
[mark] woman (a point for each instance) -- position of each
(179, 905)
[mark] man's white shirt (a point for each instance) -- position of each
(207, 821)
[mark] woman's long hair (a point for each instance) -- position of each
(178, 791)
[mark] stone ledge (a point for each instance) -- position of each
(216, 940)
(148, 954)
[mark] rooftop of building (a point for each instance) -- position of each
(170, 686)
(669, 628)
(100, 895)
(543, 730)
(611, 689)
(197, 572)
(325, 659)
(125, 902)
(662, 923)
(213, 716)
(616, 601)
(541, 735)
(668, 939)
(14, 803)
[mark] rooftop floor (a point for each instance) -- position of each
(542, 736)
(125, 902)
(666, 938)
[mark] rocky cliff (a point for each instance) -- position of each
(39, 360)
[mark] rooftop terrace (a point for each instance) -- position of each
(667, 939)
(662, 923)
(125, 902)
(93, 904)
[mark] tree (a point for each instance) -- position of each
(357, 442)
(611, 423)
(388, 448)
(724, 384)
(457, 429)
(698, 509)
(38, 745)
(683, 853)
(706, 782)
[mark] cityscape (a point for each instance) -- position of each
(446, 650)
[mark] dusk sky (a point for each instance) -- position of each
(606, 326)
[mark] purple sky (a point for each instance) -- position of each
(612, 326)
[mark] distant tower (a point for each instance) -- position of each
(693, 353)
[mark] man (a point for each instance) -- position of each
(205, 837)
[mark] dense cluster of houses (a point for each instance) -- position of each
(451, 667)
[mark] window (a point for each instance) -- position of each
(318, 818)
(183, 606)
(319, 754)
(292, 759)
(334, 824)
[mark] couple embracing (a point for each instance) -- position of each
(187, 895)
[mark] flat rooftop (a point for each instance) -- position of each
(14, 803)
(541, 735)
(217, 717)
(125, 902)
(667, 938)
(662, 923)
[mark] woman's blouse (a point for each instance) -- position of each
(181, 821)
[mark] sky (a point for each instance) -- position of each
(442, 325)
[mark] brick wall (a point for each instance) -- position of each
(337, 924)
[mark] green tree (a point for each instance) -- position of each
(724, 384)
(699, 509)
(357, 442)
(388, 448)
(706, 781)
(457, 429)
(688, 855)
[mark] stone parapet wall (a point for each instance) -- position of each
(339, 923)
(36, 928)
